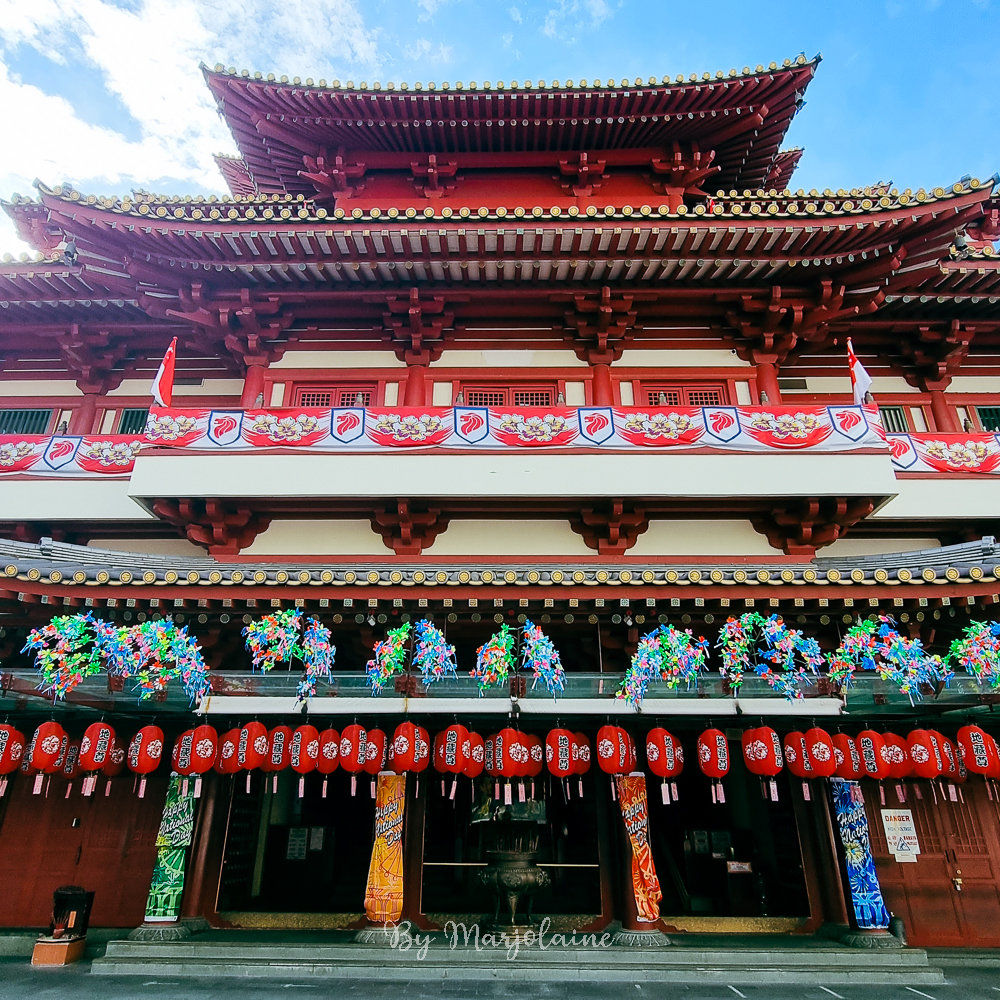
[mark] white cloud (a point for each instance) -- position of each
(430, 8)
(568, 17)
(148, 55)
(515, 14)
(424, 51)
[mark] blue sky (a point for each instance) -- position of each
(108, 95)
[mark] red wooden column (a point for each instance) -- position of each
(415, 386)
(945, 417)
(253, 385)
(602, 390)
(84, 415)
(767, 379)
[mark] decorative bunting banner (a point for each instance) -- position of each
(68, 455)
(931, 453)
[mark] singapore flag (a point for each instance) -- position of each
(860, 379)
(163, 385)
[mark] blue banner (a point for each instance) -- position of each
(852, 825)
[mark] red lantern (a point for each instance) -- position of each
(520, 751)
(403, 748)
(304, 751)
(180, 759)
(613, 756)
(820, 752)
(227, 759)
(949, 755)
(422, 754)
(96, 746)
(898, 755)
(762, 752)
(973, 746)
(449, 750)
(48, 747)
(536, 755)
(797, 756)
(874, 759)
(11, 749)
(581, 755)
(71, 764)
(145, 750)
(507, 752)
(375, 751)
(329, 751)
(848, 759)
(204, 747)
(279, 749)
(252, 748)
(559, 746)
(713, 754)
(353, 748)
(925, 754)
(661, 754)
(116, 761)
(475, 756)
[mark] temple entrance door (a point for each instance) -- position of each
(951, 895)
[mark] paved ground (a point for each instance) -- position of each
(18, 981)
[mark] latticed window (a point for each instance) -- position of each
(497, 396)
(24, 421)
(132, 421)
(989, 417)
(894, 419)
(684, 395)
(338, 395)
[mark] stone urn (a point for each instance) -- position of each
(513, 875)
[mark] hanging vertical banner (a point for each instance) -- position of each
(384, 895)
(172, 841)
(635, 813)
(852, 825)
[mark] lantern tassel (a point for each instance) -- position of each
(197, 787)
(520, 791)
(614, 797)
(579, 787)
(900, 793)
(107, 788)
(142, 787)
(496, 790)
(416, 791)
(673, 791)
(373, 788)
(714, 799)
(665, 793)
(508, 794)
(184, 788)
(454, 788)
(961, 797)
(918, 792)
(989, 790)
(764, 794)
(354, 785)
(806, 791)
(69, 788)
(881, 793)
(48, 783)
(37, 790)
(248, 782)
(274, 784)
(3, 787)
(532, 789)
(326, 782)
(774, 790)
(934, 793)
(302, 787)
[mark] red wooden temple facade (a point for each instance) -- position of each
(486, 353)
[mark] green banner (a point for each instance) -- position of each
(172, 842)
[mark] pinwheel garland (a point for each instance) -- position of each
(275, 639)
(542, 658)
(317, 655)
(390, 657)
(432, 653)
(784, 647)
(876, 645)
(665, 654)
(66, 651)
(495, 660)
(157, 652)
(978, 650)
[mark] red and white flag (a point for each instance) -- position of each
(861, 381)
(163, 384)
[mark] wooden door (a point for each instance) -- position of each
(951, 896)
(104, 843)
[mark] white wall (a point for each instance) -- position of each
(327, 538)
(701, 538)
(510, 538)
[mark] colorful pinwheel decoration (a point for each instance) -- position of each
(542, 658)
(66, 651)
(665, 654)
(781, 646)
(978, 650)
(275, 639)
(154, 653)
(390, 656)
(432, 654)
(495, 659)
(874, 644)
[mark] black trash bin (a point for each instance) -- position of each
(70, 911)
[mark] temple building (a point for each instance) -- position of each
(552, 363)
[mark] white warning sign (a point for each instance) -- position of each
(901, 834)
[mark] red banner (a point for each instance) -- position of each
(635, 814)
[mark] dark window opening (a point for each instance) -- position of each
(894, 419)
(132, 421)
(683, 395)
(989, 417)
(24, 421)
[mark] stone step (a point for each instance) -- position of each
(787, 966)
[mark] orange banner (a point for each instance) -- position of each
(384, 895)
(635, 813)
